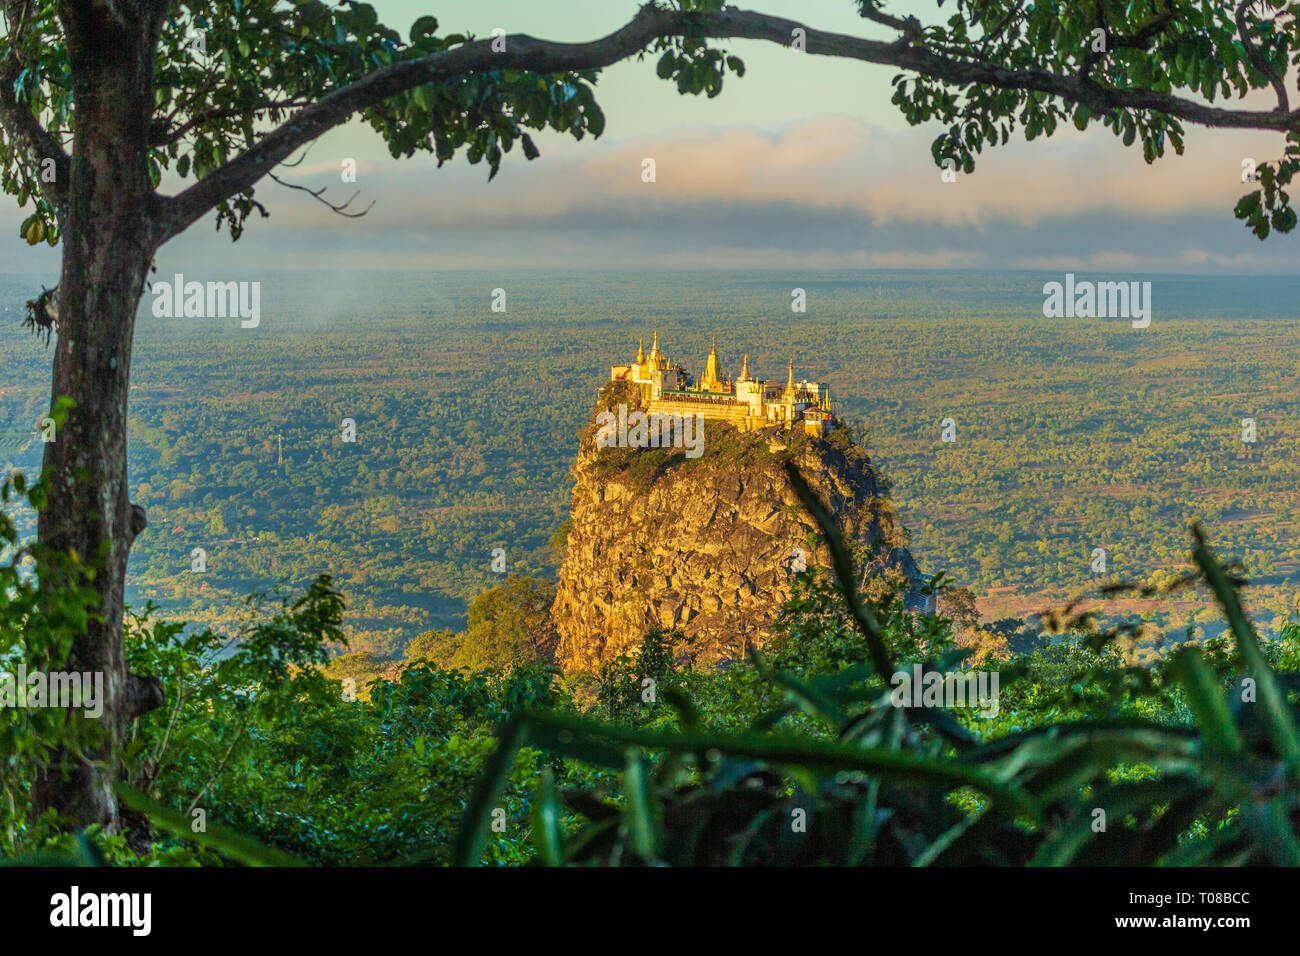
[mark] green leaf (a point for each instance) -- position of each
(595, 119)
(638, 810)
(811, 701)
(687, 714)
(219, 839)
(793, 752)
(472, 836)
(1277, 714)
(547, 835)
(424, 29)
(1206, 701)
(1246, 205)
(367, 18)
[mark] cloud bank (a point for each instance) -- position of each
(829, 192)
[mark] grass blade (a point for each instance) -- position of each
(472, 837)
(1206, 701)
(219, 839)
(1277, 713)
(842, 562)
(546, 821)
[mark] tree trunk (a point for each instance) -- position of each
(108, 246)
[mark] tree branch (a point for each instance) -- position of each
(165, 137)
(1118, 41)
(993, 35)
(528, 54)
(22, 127)
(909, 27)
(319, 195)
(1257, 59)
(143, 694)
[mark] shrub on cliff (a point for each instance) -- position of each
(508, 626)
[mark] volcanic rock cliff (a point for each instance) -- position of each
(706, 545)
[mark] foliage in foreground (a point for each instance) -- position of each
(912, 785)
(793, 756)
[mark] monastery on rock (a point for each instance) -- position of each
(745, 402)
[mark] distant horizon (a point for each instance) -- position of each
(546, 298)
(455, 270)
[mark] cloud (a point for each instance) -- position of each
(829, 191)
(825, 162)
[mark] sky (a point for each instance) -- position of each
(803, 163)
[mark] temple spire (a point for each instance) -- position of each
(744, 369)
(711, 381)
(789, 382)
(640, 352)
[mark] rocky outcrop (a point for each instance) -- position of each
(708, 545)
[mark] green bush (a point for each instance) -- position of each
(903, 785)
(794, 755)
